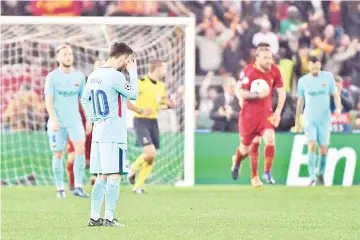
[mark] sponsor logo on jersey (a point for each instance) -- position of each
(317, 93)
(76, 84)
(67, 93)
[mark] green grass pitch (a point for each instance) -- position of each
(202, 212)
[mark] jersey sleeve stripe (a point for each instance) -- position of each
(120, 160)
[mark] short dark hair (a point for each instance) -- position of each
(118, 49)
(314, 59)
(263, 46)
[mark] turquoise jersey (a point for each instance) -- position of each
(105, 103)
(316, 91)
(65, 90)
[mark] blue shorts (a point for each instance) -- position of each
(58, 139)
(319, 132)
(108, 158)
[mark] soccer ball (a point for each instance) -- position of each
(259, 85)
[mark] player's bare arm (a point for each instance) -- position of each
(49, 100)
(163, 107)
(169, 104)
(134, 108)
(144, 112)
(88, 124)
(128, 89)
(337, 101)
(86, 104)
(166, 102)
(238, 94)
(299, 110)
(280, 105)
(246, 94)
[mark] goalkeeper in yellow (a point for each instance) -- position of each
(151, 99)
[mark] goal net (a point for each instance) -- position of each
(27, 55)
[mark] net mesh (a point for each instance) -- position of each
(28, 54)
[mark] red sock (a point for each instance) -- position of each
(70, 169)
(269, 157)
(254, 159)
(240, 156)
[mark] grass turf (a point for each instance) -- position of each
(203, 212)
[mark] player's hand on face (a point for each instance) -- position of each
(55, 125)
(131, 65)
(147, 112)
(88, 127)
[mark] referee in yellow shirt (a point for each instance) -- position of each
(151, 99)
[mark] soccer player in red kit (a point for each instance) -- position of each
(71, 154)
(256, 117)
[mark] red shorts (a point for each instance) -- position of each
(70, 146)
(250, 127)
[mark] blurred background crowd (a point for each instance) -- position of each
(226, 35)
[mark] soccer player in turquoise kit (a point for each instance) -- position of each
(315, 88)
(63, 87)
(105, 102)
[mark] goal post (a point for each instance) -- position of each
(27, 45)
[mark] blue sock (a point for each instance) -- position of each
(79, 170)
(321, 164)
(58, 172)
(111, 198)
(97, 198)
(311, 165)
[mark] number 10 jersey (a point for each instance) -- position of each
(105, 103)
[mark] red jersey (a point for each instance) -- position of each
(70, 146)
(82, 114)
(263, 105)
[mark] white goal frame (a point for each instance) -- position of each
(189, 82)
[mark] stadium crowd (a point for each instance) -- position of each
(227, 33)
